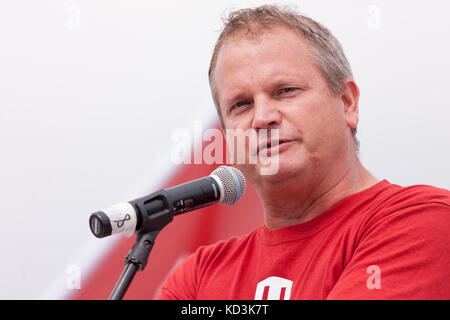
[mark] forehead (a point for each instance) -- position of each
(279, 53)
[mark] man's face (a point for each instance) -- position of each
(272, 82)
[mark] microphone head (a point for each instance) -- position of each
(233, 184)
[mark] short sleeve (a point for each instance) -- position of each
(402, 255)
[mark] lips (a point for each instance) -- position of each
(269, 146)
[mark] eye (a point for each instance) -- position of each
(238, 105)
(286, 90)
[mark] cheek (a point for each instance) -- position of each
(318, 122)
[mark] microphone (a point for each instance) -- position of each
(225, 185)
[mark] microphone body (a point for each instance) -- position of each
(150, 213)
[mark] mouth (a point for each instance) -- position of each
(272, 146)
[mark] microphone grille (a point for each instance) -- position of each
(233, 183)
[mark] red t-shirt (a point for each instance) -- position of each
(385, 242)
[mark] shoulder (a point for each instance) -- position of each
(416, 195)
(417, 207)
(392, 199)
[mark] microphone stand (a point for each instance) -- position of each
(151, 225)
(135, 260)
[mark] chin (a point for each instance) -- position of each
(277, 173)
(283, 174)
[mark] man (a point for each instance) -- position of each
(332, 230)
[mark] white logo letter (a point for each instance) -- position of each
(273, 288)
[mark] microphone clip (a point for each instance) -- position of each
(154, 213)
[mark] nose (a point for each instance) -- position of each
(266, 115)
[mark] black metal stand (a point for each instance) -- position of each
(136, 260)
(124, 282)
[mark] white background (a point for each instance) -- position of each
(91, 91)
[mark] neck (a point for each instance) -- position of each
(301, 202)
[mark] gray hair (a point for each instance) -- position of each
(326, 49)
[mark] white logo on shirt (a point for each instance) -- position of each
(273, 288)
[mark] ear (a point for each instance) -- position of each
(350, 98)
